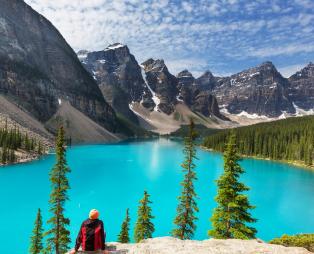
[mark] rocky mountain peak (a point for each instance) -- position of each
(265, 74)
(206, 81)
(115, 54)
(207, 74)
(162, 82)
(82, 54)
(185, 78)
(157, 65)
(267, 65)
(185, 73)
(306, 72)
(301, 91)
(115, 46)
(261, 90)
(118, 50)
(119, 77)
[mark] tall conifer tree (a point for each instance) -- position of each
(231, 216)
(58, 235)
(124, 237)
(36, 240)
(187, 207)
(144, 228)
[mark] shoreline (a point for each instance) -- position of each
(298, 164)
(26, 159)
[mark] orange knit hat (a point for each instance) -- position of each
(93, 214)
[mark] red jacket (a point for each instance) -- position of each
(91, 236)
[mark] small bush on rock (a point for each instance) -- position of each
(302, 240)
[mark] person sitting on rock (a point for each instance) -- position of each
(91, 236)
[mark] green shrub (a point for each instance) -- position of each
(302, 240)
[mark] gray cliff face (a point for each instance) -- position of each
(197, 95)
(38, 67)
(261, 90)
(163, 83)
(185, 78)
(207, 81)
(118, 75)
(123, 81)
(301, 90)
(185, 83)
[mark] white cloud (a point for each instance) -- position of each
(217, 30)
(282, 50)
(187, 6)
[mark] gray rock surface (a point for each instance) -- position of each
(118, 75)
(162, 82)
(124, 82)
(38, 67)
(197, 95)
(301, 90)
(260, 90)
(168, 245)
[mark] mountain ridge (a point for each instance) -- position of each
(38, 70)
(146, 93)
(260, 91)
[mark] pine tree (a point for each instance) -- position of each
(230, 217)
(4, 155)
(12, 157)
(58, 235)
(39, 148)
(187, 206)
(37, 237)
(26, 143)
(144, 228)
(124, 237)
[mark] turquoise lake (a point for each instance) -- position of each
(113, 177)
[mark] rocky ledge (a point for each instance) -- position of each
(169, 245)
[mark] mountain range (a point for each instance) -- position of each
(107, 95)
(150, 92)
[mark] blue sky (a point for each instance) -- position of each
(224, 36)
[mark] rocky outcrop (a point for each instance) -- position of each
(168, 245)
(38, 68)
(301, 90)
(147, 92)
(207, 81)
(118, 75)
(197, 95)
(260, 90)
(163, 83)
(206, 103)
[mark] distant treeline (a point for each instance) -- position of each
(12, 140)
(202, 131)
(290, 139)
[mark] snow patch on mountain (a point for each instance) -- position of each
(94, 75)
(114, 46)
(82, 54)
(178, 97)
(301, 112)
(154, 96)
(102, 61)
(284, 115)
(253, 116)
